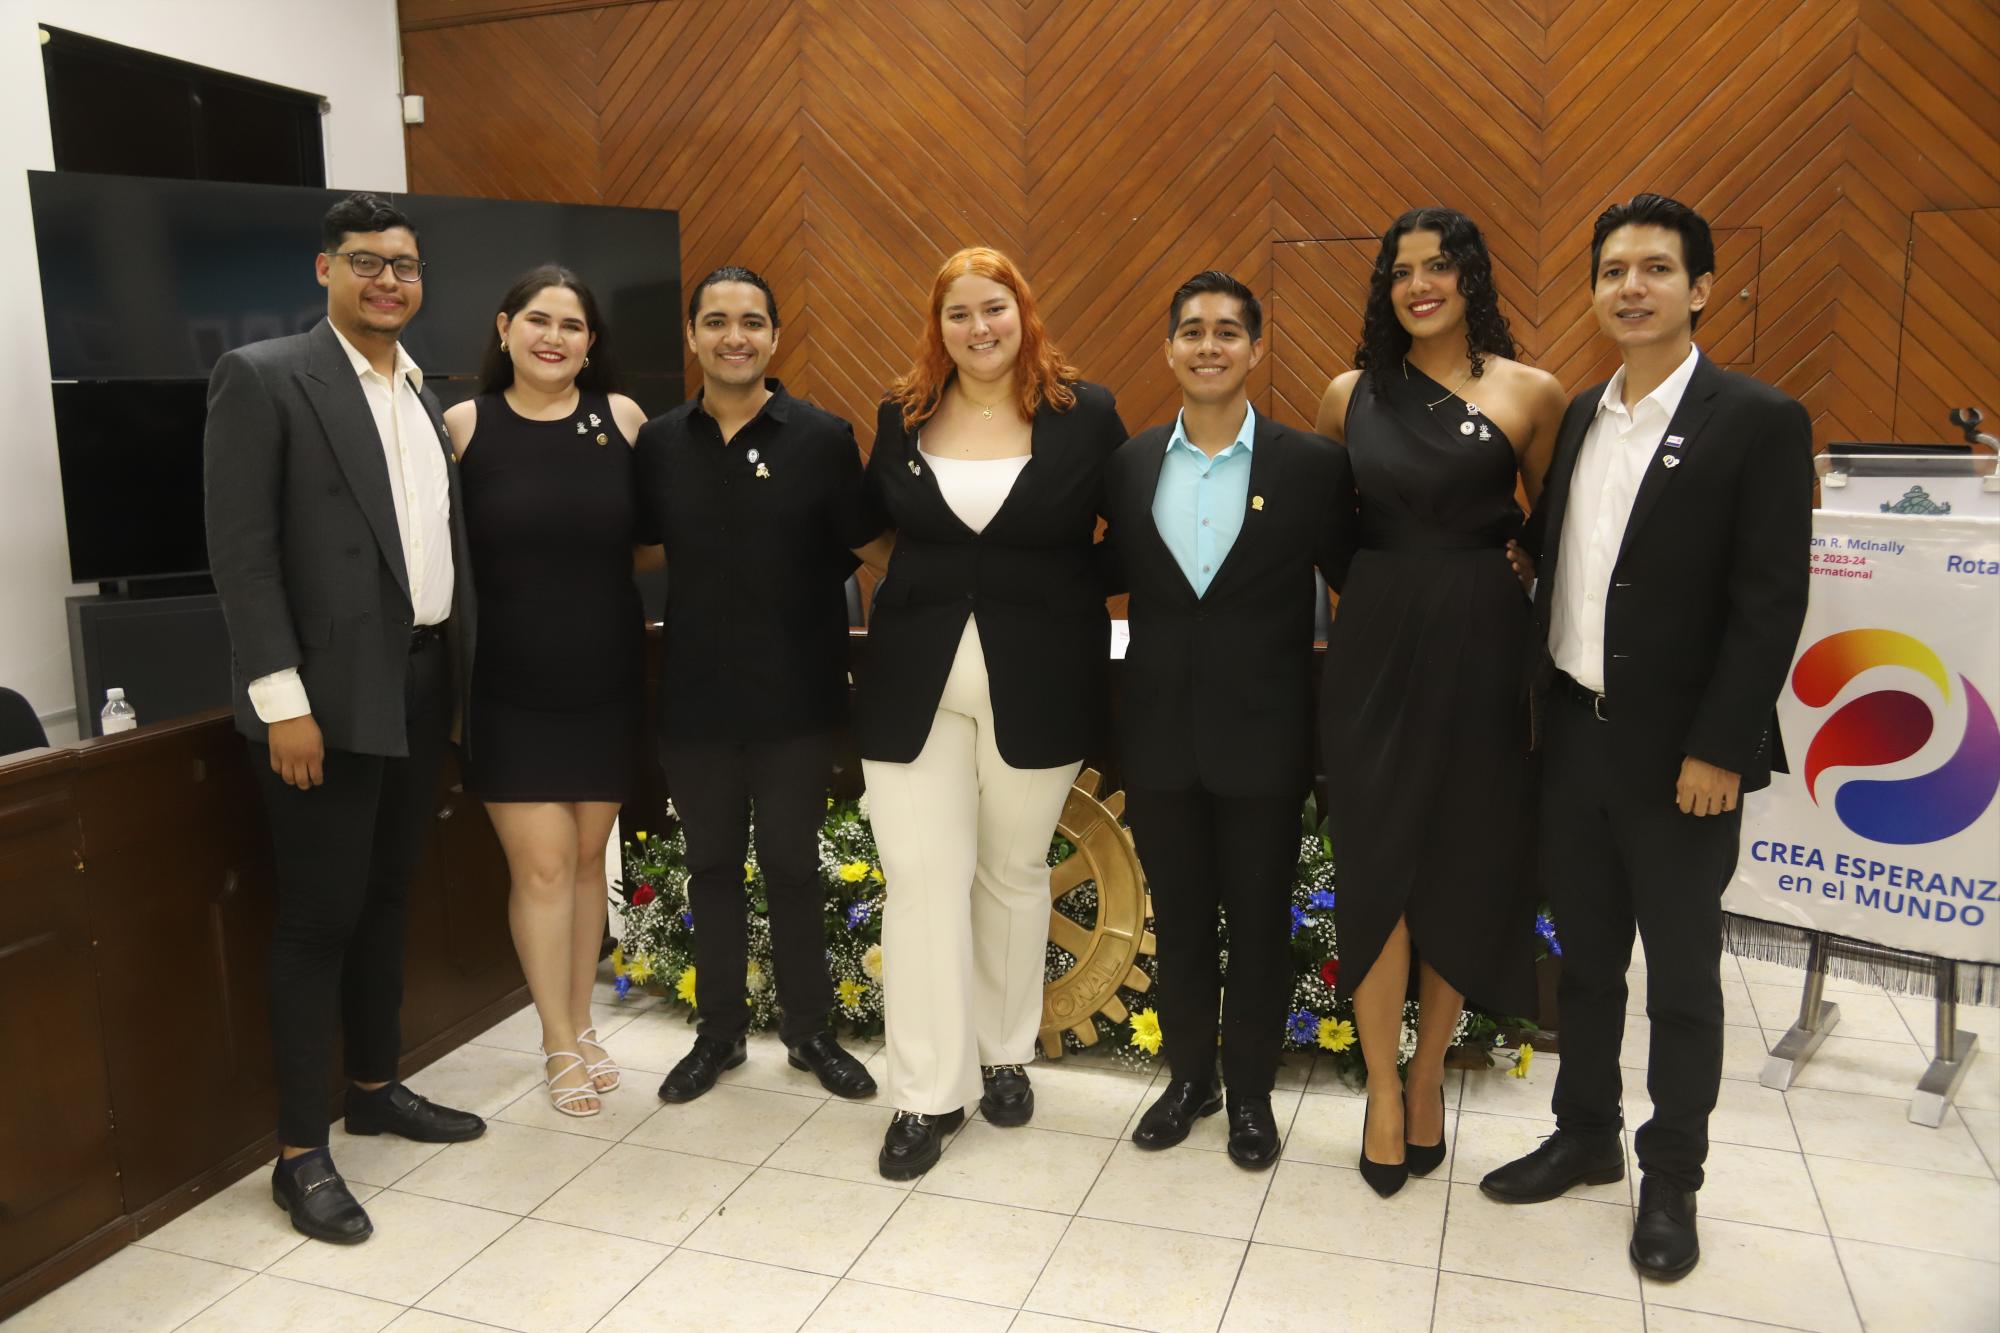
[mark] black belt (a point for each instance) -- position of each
(1569, 687)
(423, 636)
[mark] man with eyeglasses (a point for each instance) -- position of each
(334, 530)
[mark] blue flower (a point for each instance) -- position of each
(857, 914)
(1299, 919)
(1321, 898)
(1302, 1026)
(623, 985)
(687, 918)
(1547, 930)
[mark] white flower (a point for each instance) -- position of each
(754, 978)
(861, 806)
(871, 962)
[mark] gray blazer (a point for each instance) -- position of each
(303, 543)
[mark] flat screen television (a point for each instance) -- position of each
(130, 453)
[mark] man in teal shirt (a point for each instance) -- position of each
(1216, 525)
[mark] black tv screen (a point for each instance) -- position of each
(130, 453)
(147, 278)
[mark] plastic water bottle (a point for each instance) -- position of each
(117, 715)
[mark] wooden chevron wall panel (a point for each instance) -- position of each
(1843, 149)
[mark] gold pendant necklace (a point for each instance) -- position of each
(1449, 393)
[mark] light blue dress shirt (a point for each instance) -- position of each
(1200, 501)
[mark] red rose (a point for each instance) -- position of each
(1329, 972)
(643, 895)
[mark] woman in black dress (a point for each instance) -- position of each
(545, 464)
(1424, 721)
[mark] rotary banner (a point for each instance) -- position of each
(1886, 829)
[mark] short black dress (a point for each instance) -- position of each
(551, 511)
(1425, 721)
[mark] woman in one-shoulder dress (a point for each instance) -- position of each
(1425, 722)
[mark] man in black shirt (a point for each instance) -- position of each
(757, 499)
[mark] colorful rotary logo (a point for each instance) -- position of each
(1887, 726)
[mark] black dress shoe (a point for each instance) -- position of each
(318, 1201)
(394, 1109)
(1385, 1178)
(700, 1067)
(1253, 1132)
(1008, 1100)
(914, 1142)
(1170, 1119)
(1564, 1160)
(1422, 1160)
(1664, 1245)
(838, 1072)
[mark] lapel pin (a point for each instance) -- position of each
(1675, 441)
(602, 438)
(763, 472)
(1465, 428)
(1485, 434)
(1671, 460)
(1472, 409)
(1257, 503)
(915, 471)
(581, 428)
(594, 421)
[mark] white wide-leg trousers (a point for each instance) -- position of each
(964, 841)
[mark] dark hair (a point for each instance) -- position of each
(1656, 210)
(496, 367)
(733, 273)
(360, 212)
(1384, 340)
(1215, 280)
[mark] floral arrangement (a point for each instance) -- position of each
(657, 949)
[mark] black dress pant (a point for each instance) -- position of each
(344, 853)
(1616, 860)
(715, 788)
(1202, 851)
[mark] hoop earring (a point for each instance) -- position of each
(586, 363)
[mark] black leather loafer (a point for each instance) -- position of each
(1664, 1245)
(700, 1067)
(1008, 1100)
(394, 1109)
(1171, 1119)
(914, 1143)
(1563, 1161)
(1253, 1132)
(319, 1202)
(838, 1072)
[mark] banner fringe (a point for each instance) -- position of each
(1771, 942)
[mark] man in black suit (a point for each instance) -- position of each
(336, 539)
(1672, 540)
(1216, 523)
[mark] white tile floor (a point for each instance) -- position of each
(758, 1207)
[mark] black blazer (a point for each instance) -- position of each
(1708, 593)
(303, 542)
(1217, 690)
(1032, 577)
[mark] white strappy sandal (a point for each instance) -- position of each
(604, 1068)
(566, 1099)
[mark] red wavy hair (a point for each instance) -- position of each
(1042, 374)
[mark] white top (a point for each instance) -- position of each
(1617, 449)
(421, 492)
(975, 488)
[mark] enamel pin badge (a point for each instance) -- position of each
(1257, 503)
(1671, 460)
(1675, 441)
(1465, 428)
(763, 473)
(915, 471)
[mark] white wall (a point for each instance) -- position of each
(344, 50)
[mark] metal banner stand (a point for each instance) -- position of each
(1955, 1047)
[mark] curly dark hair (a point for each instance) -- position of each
(1384, 340)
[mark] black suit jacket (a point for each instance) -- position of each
(1217, 690)
(303, 542)
(1708, 593)
(1032, 578)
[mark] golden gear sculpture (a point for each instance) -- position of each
(1106, 954)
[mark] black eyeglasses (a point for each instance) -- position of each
(366, 265)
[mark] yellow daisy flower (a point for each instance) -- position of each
(875, 873)
(853, 872)
(1522, 1061)
(1146, 1031)
(685, 988)
(749, 872)
(849, 993)
(618, 960)
(1336, 1034)
(641, 836)
(639, 970)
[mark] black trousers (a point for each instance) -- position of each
(1202, 851)
(344, 853)
(1616, 861)
(715, 788)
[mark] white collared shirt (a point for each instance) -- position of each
(1617, 449)
(420, 489)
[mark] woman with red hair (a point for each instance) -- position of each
(983, 687)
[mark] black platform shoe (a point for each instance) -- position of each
(1563, 1160)
(1385, 1178)
(1008, 1100)
(700, 1067)
(318, 1201)
(1422, 1160)
(394, 1109)
(838, 1071)
(1170, 1120)
(1664, 1245)
(914, 1142)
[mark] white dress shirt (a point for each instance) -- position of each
(421, 491)
(1617, 449)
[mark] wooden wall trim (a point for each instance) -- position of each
(421, 15)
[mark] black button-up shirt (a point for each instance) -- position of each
(759, 535)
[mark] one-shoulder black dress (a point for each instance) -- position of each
(550, 509)
(1424, 721)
